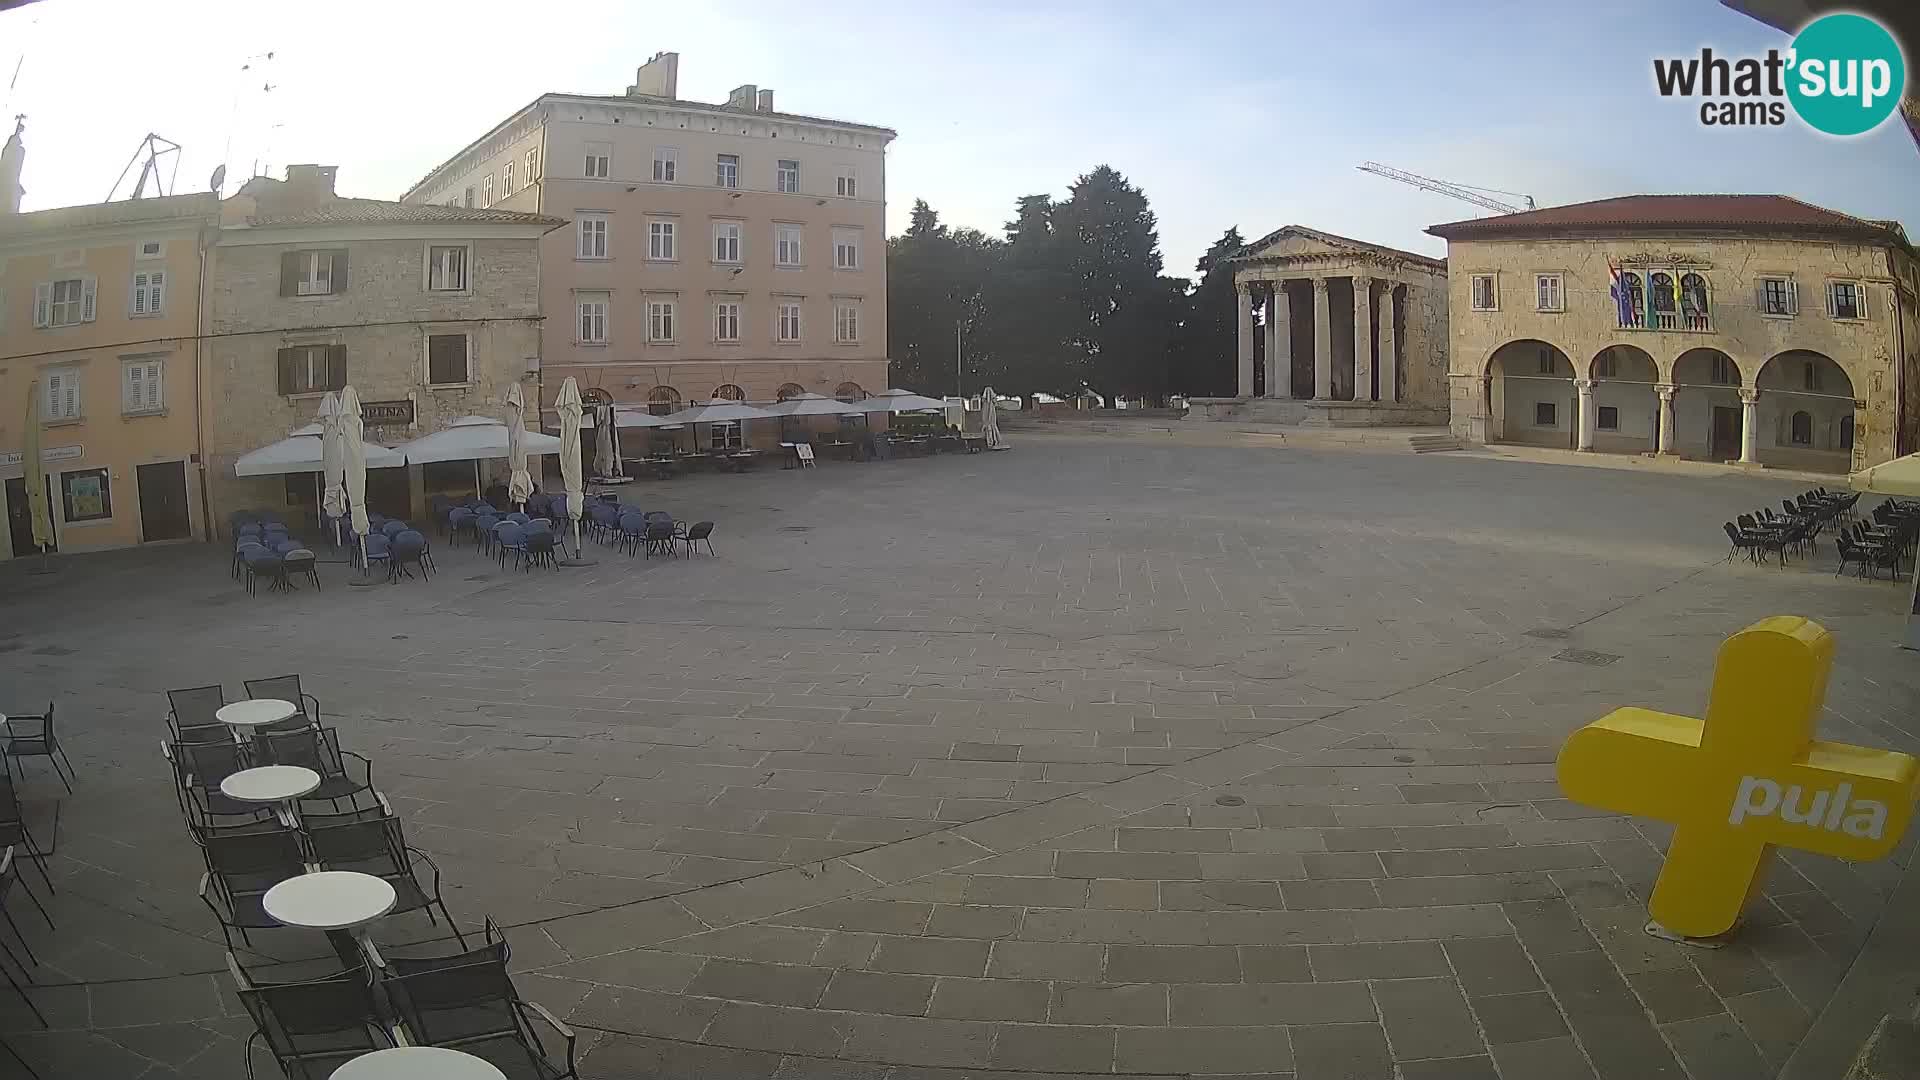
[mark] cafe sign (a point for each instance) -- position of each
(387, 413)
(14, 459)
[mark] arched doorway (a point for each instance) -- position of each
(1626, 408)
(1707, 408)
(662, 400)
(1805, 416)
(1530, 395)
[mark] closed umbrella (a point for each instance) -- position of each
(333, 463)
(606, 439)
(990, 420)
(352, 435)
(570, 472)
(519, 484)
(36, 478)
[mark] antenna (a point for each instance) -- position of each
(154, 147)
(1463, 192)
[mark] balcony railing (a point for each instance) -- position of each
(1682, 322)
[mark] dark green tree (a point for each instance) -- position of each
(1110, 249)
(1202, 360)
(934, 278)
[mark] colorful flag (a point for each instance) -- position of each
(1622, 306)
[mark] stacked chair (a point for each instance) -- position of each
(1763, 533)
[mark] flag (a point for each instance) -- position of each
(1622, 305)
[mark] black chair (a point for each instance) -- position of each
(33, 736)
(408, 549)
(8, 875)
(312, 1027)
(374, 845)
(540, 549)
(14, 832)
(1742, 543)
(286, 688)
(697, 532)
(659, 537)
(318, 749)
(194, 710)
(241, 867)
(198, 769)
(1852, 552)
(468, 1002)
(301, 562)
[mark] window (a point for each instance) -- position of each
(313, 273)
(140, 388)
(1846, 432)
(63, 395)
(1779, 296)
(726, 321)
(846, 249)
(86, 495)
(666, 165)
(725, 436)
(447, 360)
(506, 180)
(468, 200)
(786, 176)
(149, 291)
(486, 193)
(67, 302)
(1604, 366)
(1608, 418)
(1723, 373)
(1693, 302)
(663, 401)
(849, 392)
(533, 165)
(788, 391)
(312, 369)
(1546, 293)
(787, 323)
(846, 184)
(659, 320)
(593, 317)
(786, 245)
(726, 241)
(1485, 296)
(846, 323)
(593, 236)
(150, 249)
(447, 268)
(660, 240)
(1660, 291)
(726, 170)
(1846, 300)
(1800, 428)
(1543, 414)
(599, 164)
(1548, 362)
(729, 392)
(1809, 375)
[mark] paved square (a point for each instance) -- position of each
(1101, 756)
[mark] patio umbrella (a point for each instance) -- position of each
(716, 411)
(606, 453)
(333, 463)
(569, 406)
(1901, 476)
(809, 405)
(352, 432)
(519, 484)
(990, 420)
(35, 477)
(898, 401)
(304, 450)
(473, 438)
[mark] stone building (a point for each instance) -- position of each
(429, 311)
(716, 250)
(1339, 332)
(1755, 328)
(97, 309)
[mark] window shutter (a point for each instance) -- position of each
(337, 357)
(139, 294)
(86, 301)
(1793, 297)
(133, 393)
(289, 278)
(339, 273)
(153, 385)
(1832, 303)
(50, 409)
(286, 370)
(156, 286)
(70, 396)
(42, 301)
(1862, 294)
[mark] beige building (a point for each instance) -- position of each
(1755, 328)
(726, 250)
(430, 312)
(1335, 331)
(97, 307)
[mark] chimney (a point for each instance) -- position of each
(766, 101)
(13, 158)
(743, 97)
(311, 183)
(658, 77)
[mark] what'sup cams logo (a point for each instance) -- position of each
(1843, 75)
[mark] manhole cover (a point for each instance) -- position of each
(1551, 633)
(1586, 656)
(1229, 800)
(1404, 759)
(796, 528)
(399, 637)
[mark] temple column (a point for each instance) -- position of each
(1663, 441)
(1362, 338)
(1322, 343)
(1583, 411)
(1279, 342)
(1245, 365)
(1389, 361)
(1749, 425)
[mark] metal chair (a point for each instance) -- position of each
(375, 846)
(33, 736)
(286, 688)
(318, 749)
(311, 1028)
(698, 531)
(509, 537)
(8, 875)
(301, 562)
(196, 709)
(241, 867)
(408, 549)
(468, 1002)
(198, 769)
(659, 537)
(540, 547)
(14, 831)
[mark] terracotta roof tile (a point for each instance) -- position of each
(1760, 213)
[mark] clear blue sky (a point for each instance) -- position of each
(1251, 115)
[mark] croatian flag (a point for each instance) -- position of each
(1622, 301)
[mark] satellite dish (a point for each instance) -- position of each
(219, 178)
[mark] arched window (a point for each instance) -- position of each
(1634, 305)
(1800, 429)
(788, 391)
(593, 395)
(662, 400)
(1605, 366)
(1661, 286)
(1846, 432)
(850, 392)
(1693, 301)
(729, 392)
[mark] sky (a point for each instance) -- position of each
(1248, 115)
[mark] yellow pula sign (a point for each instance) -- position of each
(1748, 777)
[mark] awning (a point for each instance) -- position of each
(1901, 476)
(471, 438)
(303, 452)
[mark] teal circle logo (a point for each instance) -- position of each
(1846, 74)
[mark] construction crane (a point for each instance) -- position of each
(1478, 196)
(154, 147)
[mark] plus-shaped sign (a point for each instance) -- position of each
(1747, 778)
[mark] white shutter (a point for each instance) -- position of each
(153, 385)
(55, 383)
(70, 397)
(134, 393)
(156, 285)
(1793, 297)
(1861, 293)
(1832, 304)
(86, 304)
(42, 302)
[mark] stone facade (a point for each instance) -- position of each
(1788, 350)
(1337, 331)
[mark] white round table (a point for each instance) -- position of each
(244, 716)
(270, 784)
(417, 1063)
(330, 900)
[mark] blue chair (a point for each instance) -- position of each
(557, 507)
(242, 548)
(518, 518)
(633, 530)
(251, 528)
(483, 529)
(459, 518)
(281, 547)
(262, 563)
(394, 527)
(408, 548)
(300, 561)
(540, 546)
(510, 537)
(379, 550)
(539, 504)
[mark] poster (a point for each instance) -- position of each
(86, 498)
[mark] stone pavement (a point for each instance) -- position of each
(1096, 757)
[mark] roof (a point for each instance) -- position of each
(1711, 213)
(1246, 253)
(159, 209)
(382, 212)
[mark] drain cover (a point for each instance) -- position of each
(1551, 633)
(1586, 656)
(1404, 759)
(1229, 800)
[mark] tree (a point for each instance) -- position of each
(1110, 249)
(1206, 343)
(934, 277)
